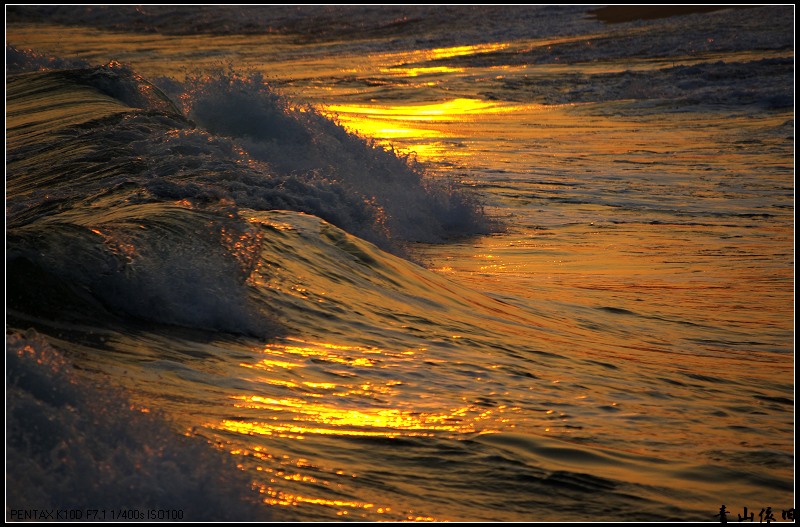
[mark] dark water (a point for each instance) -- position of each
(612, 340)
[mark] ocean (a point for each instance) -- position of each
(391, 263)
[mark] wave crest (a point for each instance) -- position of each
(299, 141)
(167, 265)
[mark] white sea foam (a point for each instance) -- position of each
(79, 445)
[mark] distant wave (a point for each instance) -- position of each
(315, 23)
(676, 88)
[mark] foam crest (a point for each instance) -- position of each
(80, 444)
(299, 141)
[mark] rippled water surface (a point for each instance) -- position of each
(618, 345)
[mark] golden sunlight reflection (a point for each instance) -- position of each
(290, 471)
(283, 357)
(298, 399)
(428, 126)
(416, 72)
(338, 418)
(451, 110)
(277, 497)
(454, 51)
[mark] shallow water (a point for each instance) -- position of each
(622, 348)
